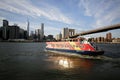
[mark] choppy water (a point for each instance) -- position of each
(28, 61)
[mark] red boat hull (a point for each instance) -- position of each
(90, 53)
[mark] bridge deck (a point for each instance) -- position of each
(103, 29)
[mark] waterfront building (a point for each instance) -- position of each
(109, 37)
(28, 24)
(98, 39)
(37, 34)
(0, 33)
(25, 34)
(102, 39)
(5, 23)
(42, 31)
(59, 36)
(14, 32)
(92, 39)
(66, 32)
(49, 38)
(5, 28)
(116, 40)
(11, 31)
(32, 35)
(3, 33)
(22, 34)
(71, 32)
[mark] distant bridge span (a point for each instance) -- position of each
(103, 29)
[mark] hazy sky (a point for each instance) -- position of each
(81, 15)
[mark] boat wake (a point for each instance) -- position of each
(99, 57)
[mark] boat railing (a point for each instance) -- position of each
(81, 40)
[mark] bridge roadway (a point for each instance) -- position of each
(102, 29)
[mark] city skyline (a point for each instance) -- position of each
(81, 15)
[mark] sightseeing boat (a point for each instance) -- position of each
(74, 46)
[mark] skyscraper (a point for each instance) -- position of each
(42, 31)
(65, 33)
(59, 36)
(109, 37)
(5, 23)
(5, 27)
(71, 32)
(38, 34)
(28, 28)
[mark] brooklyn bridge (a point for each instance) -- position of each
(102, 29)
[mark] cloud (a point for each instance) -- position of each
(105, 12)
(26, 7)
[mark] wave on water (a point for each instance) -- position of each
(99, 57)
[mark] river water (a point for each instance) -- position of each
(29, 61)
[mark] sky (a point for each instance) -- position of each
(81, 15)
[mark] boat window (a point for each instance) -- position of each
(76, 45)
(81, 46)
(67, 45)
(73, 45)
(52, 45)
